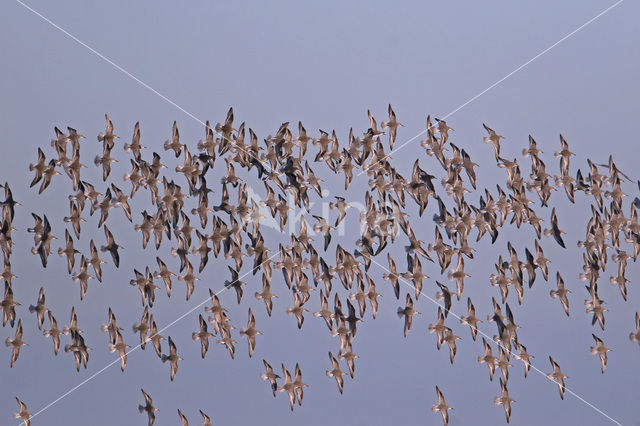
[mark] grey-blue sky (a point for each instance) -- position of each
(325, 65)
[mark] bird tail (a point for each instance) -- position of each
(8, 341)
(593, 350)
(104, 328)
(328, 373)
(496, 400)
(112, 347)
(32, 308)
(195, 337)
(400, 312)
(141, 408)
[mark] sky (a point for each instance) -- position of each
(324, 64)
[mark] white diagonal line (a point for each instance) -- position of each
(404, 281)
(581, 27)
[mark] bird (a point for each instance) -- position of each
(336, 372)
(450, 339)
(525, 357)
(555, 230)
(69, 251)
(392, 125)
(148, 408)
(235, 283)
(39, 308)
(183, 419)
(164, 274)
(561, 293)
(442, 407)
(108, 137)
(206, 419)
(494, 138)
(250, 332)
(121, 348)
(298, 310)
(142, 327)
(601, 350)
(288, 387)
(79, 348)
(189, 279)
(47, 175)
(227, 341)
(39, 167)
(557, 376)
(203, 336)
(635, 336)
(23, 413)
(392, 276)
(298, 384)
(439, 328)
(173, 358)
(82, 276)
(266, 294)
(504, 399)
(342, 206)
(323, 227)
(471, 320)
(135, 146)
(174, 144)
(95, 261)
(43, 242)
(348, 355)
(445, 295)
(16, 343)
(154, 336)
(489, 358)
(111, 326)
(53, 332)
(112, 247)
(270, 376)
(407, 312)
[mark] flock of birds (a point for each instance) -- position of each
(282, 164)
